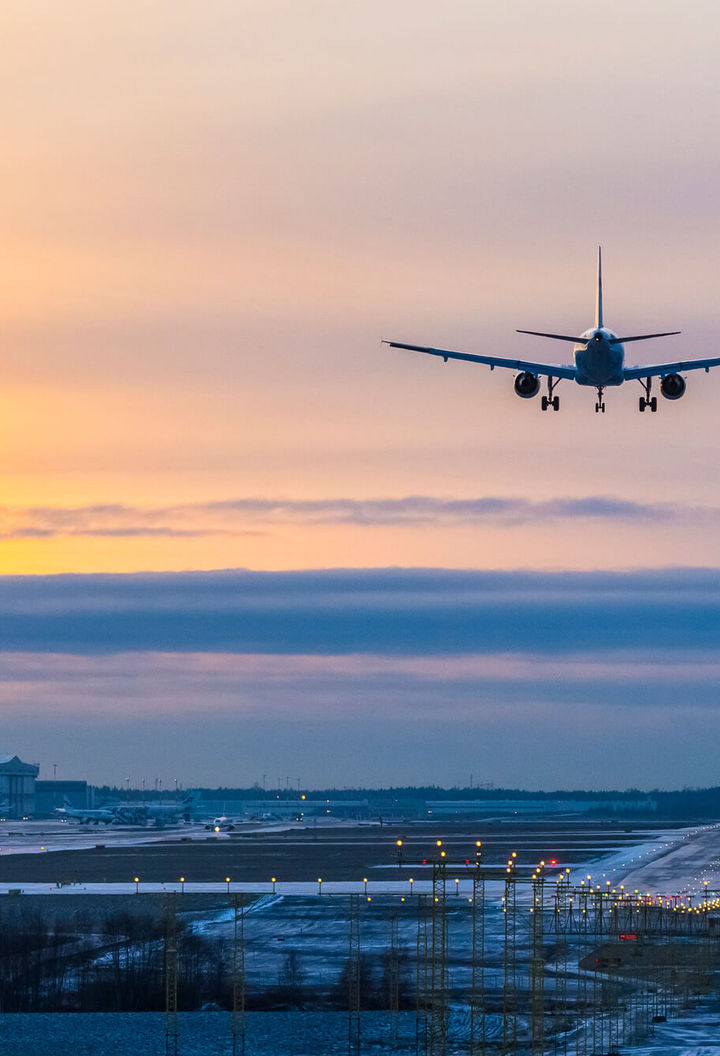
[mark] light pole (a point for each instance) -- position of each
(399, 845)
(137, 884)
(227, 881)
(411, 886)
(273, 882)
(182, 885)
(365, 881)
(319, 885)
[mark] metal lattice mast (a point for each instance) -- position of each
(394, 978)
(562, 924)
(510, 995)
(422, 995)
(438, 963)
(477, 994)
(238, 978)
(171, 978)
(537, 964)
(353, 977)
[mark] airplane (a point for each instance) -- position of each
(160, 813)
(129, 813)
(106, 815)
(221, 824)
(599, 363)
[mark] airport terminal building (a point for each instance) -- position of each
(17, 787)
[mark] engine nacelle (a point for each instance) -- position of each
(672, 386)
(527, 385)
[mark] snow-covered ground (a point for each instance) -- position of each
(696, 1033)
(51, 834)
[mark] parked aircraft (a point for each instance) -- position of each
(159, 813)
(130, 813)
(106, 815)
(599, 363)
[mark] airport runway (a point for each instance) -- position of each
(54, 859)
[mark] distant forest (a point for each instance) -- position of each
(680, 803)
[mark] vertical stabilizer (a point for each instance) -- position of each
(598, 295)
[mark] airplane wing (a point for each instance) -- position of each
(661, 369)
(548, 369)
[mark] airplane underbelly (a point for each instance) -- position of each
(599, 366)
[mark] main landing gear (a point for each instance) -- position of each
(647, 400)
(550, 400)
(600, 405)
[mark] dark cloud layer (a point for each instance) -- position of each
(393, 611)
(242, 515)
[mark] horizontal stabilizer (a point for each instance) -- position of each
(555, 337)
(642, 337)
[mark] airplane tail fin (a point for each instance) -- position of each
(598, 293)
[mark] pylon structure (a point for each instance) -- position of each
(422, 977)
(537, 963)
(438, 963)
(562, 924)
(510, 982)
(171, 977)
(477, 991)
(238, 977)
(393, 978)
(353, 976)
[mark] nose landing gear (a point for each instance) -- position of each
(600, 405)
(647, 400)
(550, 400)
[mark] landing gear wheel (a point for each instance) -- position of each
(647, 400)
(556, 403)
(544, 403)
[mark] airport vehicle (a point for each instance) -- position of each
(599, 363)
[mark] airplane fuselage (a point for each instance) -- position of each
(599, 363)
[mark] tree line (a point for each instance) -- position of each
(118, 963)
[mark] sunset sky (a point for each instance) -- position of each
(211, 213)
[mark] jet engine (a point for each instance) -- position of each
(527, 385)
(672, 386)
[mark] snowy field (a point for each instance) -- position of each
(206, 1034)
(292, 1034)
